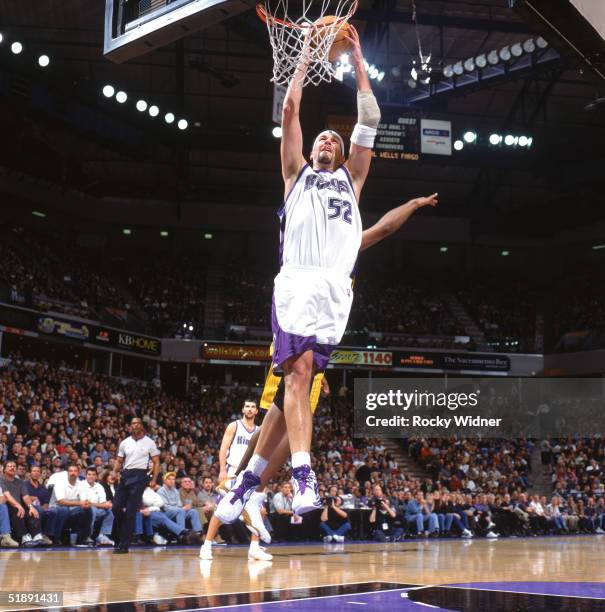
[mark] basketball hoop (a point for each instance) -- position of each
(306, 38)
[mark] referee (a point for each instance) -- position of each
(133, 454)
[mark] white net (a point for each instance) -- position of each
(305, 37)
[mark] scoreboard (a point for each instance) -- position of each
(398, 135)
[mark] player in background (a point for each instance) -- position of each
(236, 438)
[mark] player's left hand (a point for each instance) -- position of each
(431, 200)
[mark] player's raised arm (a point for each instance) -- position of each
(368, 118)
(390, 222)
(292, 158)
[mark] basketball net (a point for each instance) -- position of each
(304, 38)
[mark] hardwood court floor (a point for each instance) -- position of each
(94, 576)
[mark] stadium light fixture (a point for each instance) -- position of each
(43, 61)
(509, 140)
(126, 232)
(541, 43)
(16, 47)
(505, 253)
(164, 234)
(458, 68)
(121, 97)
(481, 61)
(469, 64)
(523, 140)
(529, 46)
(208, 236)
(190, 328)
(493, 58)
(516, 50)
(169, 118)
(470, 137)
(504, 54)
(108, 91)
(448, 71)
(277, 131)
(154, 111)
(443, 249)
(183, 124)
(37, 213)
(495, 139)
(1, 38)
(142, 106)
(458, 145)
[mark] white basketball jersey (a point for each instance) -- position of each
(239, 444)
(320, 222)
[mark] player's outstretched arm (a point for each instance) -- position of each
(390, 222)
(368, 118)
(292, 158)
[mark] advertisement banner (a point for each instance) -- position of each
(452, 361)
(235, 352)
(436, 137)
(352, 357)
(126, 341)
(67, 329)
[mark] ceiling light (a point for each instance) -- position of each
(142, 106)
(43, 61)
(121, 97)
(154, 111)
(108, 91)
(16, 48)
(504, 54)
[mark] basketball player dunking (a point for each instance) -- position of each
(272, 398)
(235, 441)
(320, 240)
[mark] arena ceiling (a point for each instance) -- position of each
(219, 80)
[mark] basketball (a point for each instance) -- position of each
(340, 45)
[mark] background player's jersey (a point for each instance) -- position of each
(239, 444)
(320, 222)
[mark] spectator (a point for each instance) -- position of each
(150, 520)
(108, 482)
(173, 508)
(420, 515)
(283, 518)
(40, 496)
(25, 524)
(73, 509)
(6, 540)
(102, 515)
(189, 499)
(334, 520)
(382, 518)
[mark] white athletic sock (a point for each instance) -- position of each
(301, 458)
(208, 543)
(254, 545)
(257, 464)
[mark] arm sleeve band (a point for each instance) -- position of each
(368, 113)
(363, 136)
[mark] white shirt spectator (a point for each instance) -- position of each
(95, 494)
(65, 490)
(136, 453)
(152, 500)
(56, 478)
(334, 455)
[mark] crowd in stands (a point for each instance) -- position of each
(505, 312)
(59, 432)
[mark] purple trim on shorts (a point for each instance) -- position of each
(287, 345)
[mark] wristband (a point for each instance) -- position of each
(363, 136)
